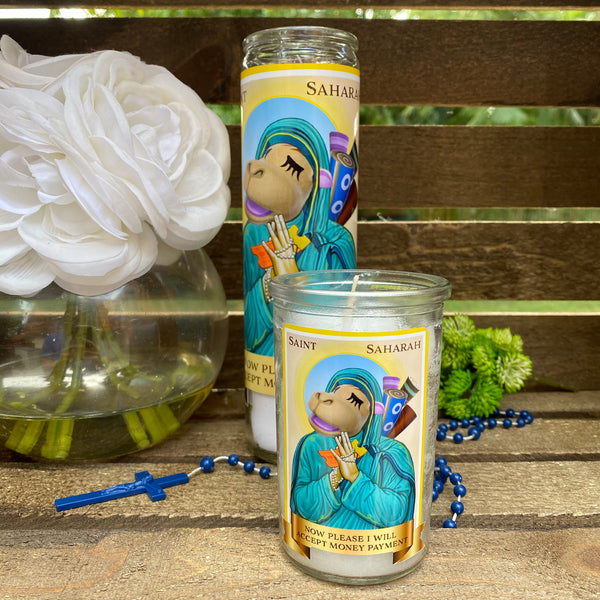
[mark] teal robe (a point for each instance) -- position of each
(332, 249)
(383, 494)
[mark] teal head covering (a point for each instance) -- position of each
(304, 136)
(365, 382)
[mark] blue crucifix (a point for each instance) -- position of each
(144, 483)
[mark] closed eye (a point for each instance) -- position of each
(355, 400)
(293, 166)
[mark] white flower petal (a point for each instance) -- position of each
(200, 224)
(218, 144)
(140, 255)
(11, 246)
(203, 178)
(46, 176)
(75, 252)
(25, 276)
(87, 196)
(102, 156)
(152, 189)
(70, 220)
(12, 60)
(159, 130)
(9, 220)
(18, 200)
(30, 118)
(166, 254)
(18, 68)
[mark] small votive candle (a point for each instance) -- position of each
(357, 366)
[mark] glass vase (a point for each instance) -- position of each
(95, 377)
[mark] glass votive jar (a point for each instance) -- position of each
(357, 365)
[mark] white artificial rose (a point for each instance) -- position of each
(107, 165)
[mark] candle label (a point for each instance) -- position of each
(299, 163)
(354, 409)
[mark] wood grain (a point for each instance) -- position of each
(202, 504)
(551, 448)
(216, 539)
(565, 350)
(241, 564)
(482, 260)
(444, 63)
(455, 166)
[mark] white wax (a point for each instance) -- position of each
(263, 421)
(343, 568)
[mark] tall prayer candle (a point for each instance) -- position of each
(357, 364)
(300, 100)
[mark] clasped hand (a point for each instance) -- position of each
(347, 468)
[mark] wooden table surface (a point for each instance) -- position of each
(531, 527)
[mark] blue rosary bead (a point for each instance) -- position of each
(477, 425)
(207, 464)
(475, 432)
(460, 490)
(450, 524)
(265, 472)
(525, 414)
(455, 478)
(445, 471)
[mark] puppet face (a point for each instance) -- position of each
(279, 183)
(346, 408)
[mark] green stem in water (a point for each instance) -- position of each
(146, 426)
(24, 435)
(159, 421)
(112, 358)
(136, 430)
(77, 364)
(59, 434)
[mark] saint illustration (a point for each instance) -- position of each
(287, 191)
(347, 473)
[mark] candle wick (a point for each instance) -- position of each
(354, 283)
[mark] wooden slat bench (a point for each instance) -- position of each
(476, 204)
